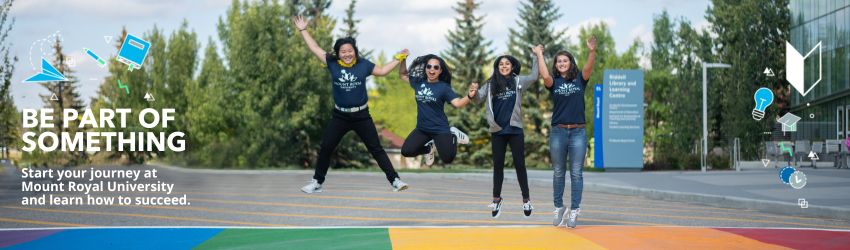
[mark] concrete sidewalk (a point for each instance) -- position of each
(827, 190)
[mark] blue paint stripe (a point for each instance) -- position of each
(123, 238)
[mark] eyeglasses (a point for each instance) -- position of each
(434, 66)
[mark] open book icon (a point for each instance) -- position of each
(795, 67)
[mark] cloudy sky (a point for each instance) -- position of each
(387, 25)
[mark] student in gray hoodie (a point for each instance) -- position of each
(503, 96)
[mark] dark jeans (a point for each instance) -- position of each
(362, 124)
(415, 145)
(500, 145)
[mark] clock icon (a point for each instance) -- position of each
(797, 180)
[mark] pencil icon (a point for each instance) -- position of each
(95, 57)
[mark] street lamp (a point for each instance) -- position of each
(705, 66)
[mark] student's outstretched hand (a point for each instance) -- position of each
(591, 43)
(300, 23)
(538, 50)
(473, 89)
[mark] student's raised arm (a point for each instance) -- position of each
(588, 67)
(541, 65)
(402, 70)
(301, 24)
(460, 102)
(385, 70)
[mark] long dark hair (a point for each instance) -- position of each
(572, 72)
(342, 41)
(497, 81)
(417, 68)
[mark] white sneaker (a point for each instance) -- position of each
(527, 208)
(431, 155)
(462, 138)
(497, 208)
(399, 185)
(559, 216)
(573, 217)
(313, 187)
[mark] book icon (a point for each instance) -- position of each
(795, 67)
(48, 74)
(133, 52)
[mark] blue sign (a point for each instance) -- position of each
(598, 159)
(622, 119)
(133, 52)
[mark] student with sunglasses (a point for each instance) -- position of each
(503, 96)
(348, 78)
(431, 81)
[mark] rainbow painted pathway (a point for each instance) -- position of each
(585, 237)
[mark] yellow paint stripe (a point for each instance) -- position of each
(488, 238)
(284, 204)
(668, 238)
(714, 218)
(48, 223)
(356, 218)
(144, 216)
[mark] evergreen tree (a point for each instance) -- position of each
(535, 26)
(64, 95)
(468, 55)
(8, 112)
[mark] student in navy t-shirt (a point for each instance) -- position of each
(348, 78)
(568, 137)
(431, 82)
(502, 94)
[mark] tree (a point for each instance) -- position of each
(536, 18)
(64, 95)
(8, 111)
(350, 28)
(736, 24)
(468, 55)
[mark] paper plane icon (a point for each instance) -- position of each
(48, 74)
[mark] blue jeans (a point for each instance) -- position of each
(565, 142)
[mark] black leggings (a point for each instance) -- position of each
(500, 145)
(362, 124)
(415, 145)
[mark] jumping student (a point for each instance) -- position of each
(348, 79)
(568, 137)
(502, 94)
(431, 82)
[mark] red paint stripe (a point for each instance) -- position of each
(796, 238)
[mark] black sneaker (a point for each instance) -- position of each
(497, 208)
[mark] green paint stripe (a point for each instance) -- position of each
(342, 238)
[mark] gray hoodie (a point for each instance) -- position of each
(522, 82)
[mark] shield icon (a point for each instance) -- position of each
(795, 67)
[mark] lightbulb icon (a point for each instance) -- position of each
(763, 98)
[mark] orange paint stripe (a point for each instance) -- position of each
(48, 223)
(627, 237)
(488, 238)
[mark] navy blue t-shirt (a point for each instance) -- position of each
(568, 99)
(503, 107)
(349, 84)
(430, 100)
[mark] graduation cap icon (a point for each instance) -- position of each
(789, 122)
(48, 74)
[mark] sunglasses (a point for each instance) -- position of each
(435, 67)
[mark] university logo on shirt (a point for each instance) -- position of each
(347, 81)
(425, 95)
(504, 95)
(567, 89)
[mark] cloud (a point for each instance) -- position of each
(573, 30)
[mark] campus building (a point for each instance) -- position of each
(826, 108)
